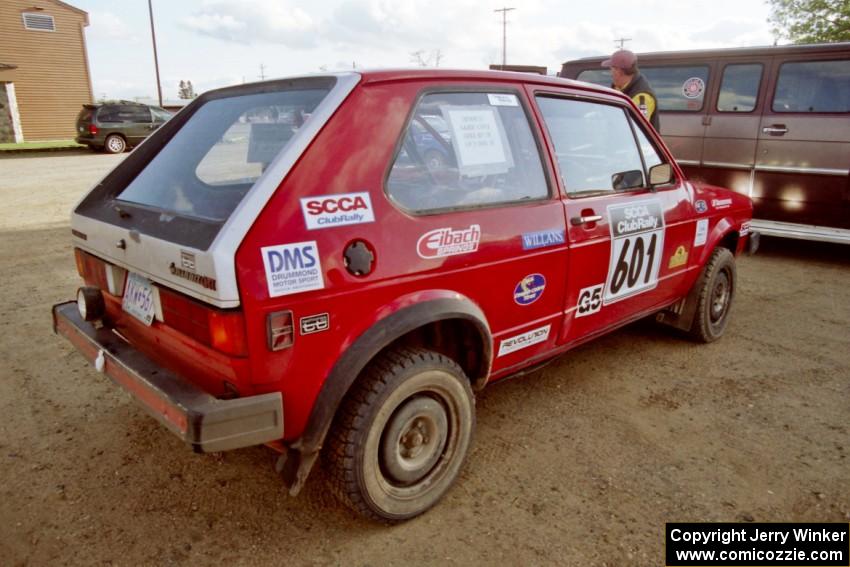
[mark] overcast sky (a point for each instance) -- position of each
(215, 43)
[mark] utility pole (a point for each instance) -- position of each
(504, 12)
(262, 74)
(622, 41)
(155, 58)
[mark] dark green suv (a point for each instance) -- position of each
(115, 126)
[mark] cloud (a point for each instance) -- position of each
(255, 21)
(108, 26)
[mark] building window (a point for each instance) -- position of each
(38, 22)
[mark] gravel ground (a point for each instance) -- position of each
(581, 463)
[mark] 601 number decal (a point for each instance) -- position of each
(637, 241)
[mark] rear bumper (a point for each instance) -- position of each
(201, 420)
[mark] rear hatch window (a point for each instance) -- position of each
(185, 182)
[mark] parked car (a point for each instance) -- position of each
(772, 123)
(326, 288)
(113, 127)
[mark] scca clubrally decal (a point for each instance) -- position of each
(637, 242)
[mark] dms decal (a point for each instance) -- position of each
(701, 206)
(337, 210)
(524, 340)
(721, 203)
(447, 242)
(637, 242)
(529, 289)
(292, 268)
(542, 239)
(589, 300)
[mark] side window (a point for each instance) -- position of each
(135, 114)
(594, 144)
(678, 88)
(600, 77)
(739, 88)
(813, 86)
(159, 114)
(465, 150)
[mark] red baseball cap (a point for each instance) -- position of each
(622, 59)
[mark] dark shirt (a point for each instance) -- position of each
(644, 97)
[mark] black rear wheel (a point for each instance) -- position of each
(715, 297)
(401, 435)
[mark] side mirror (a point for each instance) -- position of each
(627, 180)
(660, 174)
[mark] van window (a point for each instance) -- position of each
(680, 88)
(463, 150)
(210, 163)
(601, 77)
(739, 88)
(650, 154)
(813, 86)
(594, 144)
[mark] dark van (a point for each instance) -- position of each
(769, 122)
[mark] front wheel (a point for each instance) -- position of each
(715, 297)
(401, 435)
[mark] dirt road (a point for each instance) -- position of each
(581, 464)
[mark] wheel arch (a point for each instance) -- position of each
(442, 320)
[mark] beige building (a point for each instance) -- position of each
(44, 70)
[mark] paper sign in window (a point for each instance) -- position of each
(478, 140)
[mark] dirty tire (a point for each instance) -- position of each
(114, 144)
(715, 297)
(401, 435)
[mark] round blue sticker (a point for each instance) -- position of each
(529, 289)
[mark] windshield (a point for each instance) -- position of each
(209, 165)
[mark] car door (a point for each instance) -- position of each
(138, 122)
(629, 243)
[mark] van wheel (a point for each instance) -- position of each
(401, 435)
(114, 144)
(715, 297)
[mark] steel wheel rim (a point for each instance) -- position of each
(720, 294)
(413, 440)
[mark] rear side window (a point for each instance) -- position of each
(210, 163)
(595, 146)
(601, 77)
(124, 113)
(680, 88)
(739, 88)
(813, 86)
(464, 150)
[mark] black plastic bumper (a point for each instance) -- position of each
(201, 420)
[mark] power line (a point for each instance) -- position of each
(262, 74)
(504, 12)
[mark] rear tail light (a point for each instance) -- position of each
(281, 331)
(92, 129)
(92, 269)
(221, 330)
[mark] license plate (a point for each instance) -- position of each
(138, 298)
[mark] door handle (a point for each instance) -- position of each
(578, 221)
(775, 130)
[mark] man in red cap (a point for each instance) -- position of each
(627, 79)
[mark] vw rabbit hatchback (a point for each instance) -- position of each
(334, 265)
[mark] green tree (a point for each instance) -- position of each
(810, 21)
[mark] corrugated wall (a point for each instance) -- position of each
(52, 79)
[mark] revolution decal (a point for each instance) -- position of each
(700, 206)
(679, 258)
(542, 239)
(443, 242)
(524, 340)
(589, 300)
(327, 211)
(637, 242)
(529, 289)
(292, 268)
(701, 234)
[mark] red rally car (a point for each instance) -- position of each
(335, 264)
